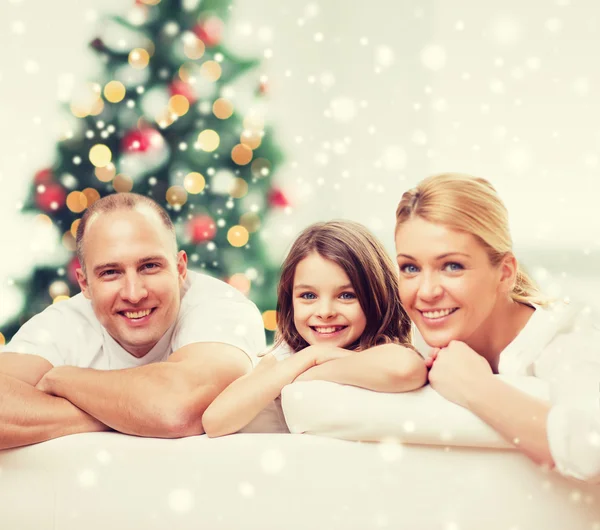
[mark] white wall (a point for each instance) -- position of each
(366, 99)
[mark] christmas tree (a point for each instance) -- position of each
(162, 120)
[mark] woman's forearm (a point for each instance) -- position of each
(518, 417)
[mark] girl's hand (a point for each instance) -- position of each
(322, 354)
(456, 371)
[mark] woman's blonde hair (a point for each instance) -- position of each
(469, 204)
(372, 275)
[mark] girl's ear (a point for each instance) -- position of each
(508, 273)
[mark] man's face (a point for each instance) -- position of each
(133, 276)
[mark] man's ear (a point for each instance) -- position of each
(182, 265)
(508, 273)
(83, 283)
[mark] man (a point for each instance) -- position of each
(143, 350)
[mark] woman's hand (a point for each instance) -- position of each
(456, 370)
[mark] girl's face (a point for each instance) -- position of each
(326, 309)
(447, 284)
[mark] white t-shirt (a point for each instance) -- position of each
(68, 333)
(271, 418)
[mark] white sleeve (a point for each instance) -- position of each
(229, 321)
(41, 335)
(573, 425)
(574, 439)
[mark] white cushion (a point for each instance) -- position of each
(418, 417)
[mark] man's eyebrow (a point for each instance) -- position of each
(115, 265)
(102, 266)
(150, 258)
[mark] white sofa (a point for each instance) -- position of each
(111, 481)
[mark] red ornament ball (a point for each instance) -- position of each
(43, 176)
(202, 228)
(50, 197)
(277, 199)
(181, 88)
(71, 270)
(210, 31)
(141, 140)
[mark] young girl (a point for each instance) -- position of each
(465, 291)
(339, 319)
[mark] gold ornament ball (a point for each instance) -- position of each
(114, 91)
(194, 182)
(122, 183)
(74, 227)
(222, 108)
(77, 202)
(251, 139)
(193, 47)
(208, 140)
(100, 155)
(179, 105)
(237, 236)
(270, 320)
(211, 70)
(139, 58)
(241, 154)
(106, 173)
(176, 196)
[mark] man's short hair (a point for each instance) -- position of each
(115, 202)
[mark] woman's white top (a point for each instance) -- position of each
(561, 345)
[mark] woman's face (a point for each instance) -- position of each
(447, 284)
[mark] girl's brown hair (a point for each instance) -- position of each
(372, 275)
(468, 204)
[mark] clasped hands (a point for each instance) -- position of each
(456, 372)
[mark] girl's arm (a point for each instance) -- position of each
(243, 399)
(384, 368)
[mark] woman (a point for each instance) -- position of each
(464, 290)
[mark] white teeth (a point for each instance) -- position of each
(332, 329)
(438, 314)
(137, 314)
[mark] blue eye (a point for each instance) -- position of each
(453, 267)
(308, 296)
(347, 296)
(409, 268)
(108, 272)
(150, 266)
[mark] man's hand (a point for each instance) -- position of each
(456, 370)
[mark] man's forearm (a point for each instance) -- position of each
(144, 401)
(28, 416)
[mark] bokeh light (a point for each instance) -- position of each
(237, 236)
